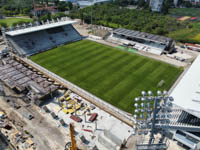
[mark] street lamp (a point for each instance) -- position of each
(152, 112)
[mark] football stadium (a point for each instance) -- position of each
(113, 75)
(76, 78)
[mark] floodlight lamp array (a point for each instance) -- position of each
(143, 110)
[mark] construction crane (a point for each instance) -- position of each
(73, 141)
(71, 145)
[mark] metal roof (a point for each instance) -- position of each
(187, 92)
(22, 78)
(39, 28)
(142, 35)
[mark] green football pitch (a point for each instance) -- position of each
(11, 21)
(114, 75)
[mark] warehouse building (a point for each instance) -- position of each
(156, 5)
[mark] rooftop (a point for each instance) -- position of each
(39, 28)
(187, 93)
(143, 35)
(20, 78)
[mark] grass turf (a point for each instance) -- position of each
(109, 73)
(187, 35)
(195, 12)
(11, 21)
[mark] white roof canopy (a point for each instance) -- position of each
(39, 28)
(187, 93)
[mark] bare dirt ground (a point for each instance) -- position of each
(82, 29)
(47, 135)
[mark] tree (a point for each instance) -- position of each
(141, 3)
(69, 5)
(2, 24)
(166, 5)
(113, 15)
(180, 2)
(45, 17)
(47, 2)
(187, 4)
(63, 6)
(58, 15)
(56, 2)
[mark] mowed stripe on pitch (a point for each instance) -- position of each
(113, 75)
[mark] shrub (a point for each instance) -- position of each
(2, 24)
(58, 15)
(19, 23)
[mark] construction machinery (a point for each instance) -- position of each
(73, 141)
(71, 145)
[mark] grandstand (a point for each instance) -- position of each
(187, 97)
(35, 39)
(142, 41)
(184, 128)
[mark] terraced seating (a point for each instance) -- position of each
(36, 42)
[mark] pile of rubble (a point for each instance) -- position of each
(21, 140)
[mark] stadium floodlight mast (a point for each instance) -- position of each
(152, 112)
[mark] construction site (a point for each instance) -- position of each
(58, 109)
(41, 110)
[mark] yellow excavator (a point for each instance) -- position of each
(71, 145)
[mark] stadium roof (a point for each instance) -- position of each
(187, 93)
(142, 35)
(39, 28)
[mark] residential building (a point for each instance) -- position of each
(156, 5)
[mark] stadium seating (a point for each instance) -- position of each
(146, 46)
(36, 42)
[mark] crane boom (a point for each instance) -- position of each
(73, 141)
